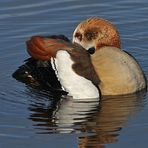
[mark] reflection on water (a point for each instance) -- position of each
(60, 114)
(96, 123)
(111, 118)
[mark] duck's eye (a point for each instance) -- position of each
(91, 50)
(79, 36)
(89, 35)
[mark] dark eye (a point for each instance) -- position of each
(89, 35)
(79, 36)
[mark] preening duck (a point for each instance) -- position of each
(109, 68)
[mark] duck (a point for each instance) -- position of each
(93, 63)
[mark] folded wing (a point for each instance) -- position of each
(44, 48)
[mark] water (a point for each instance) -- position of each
(33, 118)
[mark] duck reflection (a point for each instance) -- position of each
(97, 123)
(42, 107)
(71, 114)
(111, 118)
(55, 113)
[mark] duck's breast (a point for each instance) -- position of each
(118, 71)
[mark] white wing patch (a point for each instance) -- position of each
(77, 86)
(54, 66)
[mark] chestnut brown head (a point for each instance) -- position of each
(96, 33)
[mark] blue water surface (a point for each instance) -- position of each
(30, 118)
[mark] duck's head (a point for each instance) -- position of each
(95, 33)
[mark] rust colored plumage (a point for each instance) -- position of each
(100, 31)
(43, 49)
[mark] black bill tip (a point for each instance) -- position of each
(91, 50)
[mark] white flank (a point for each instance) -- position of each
(77, 86)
